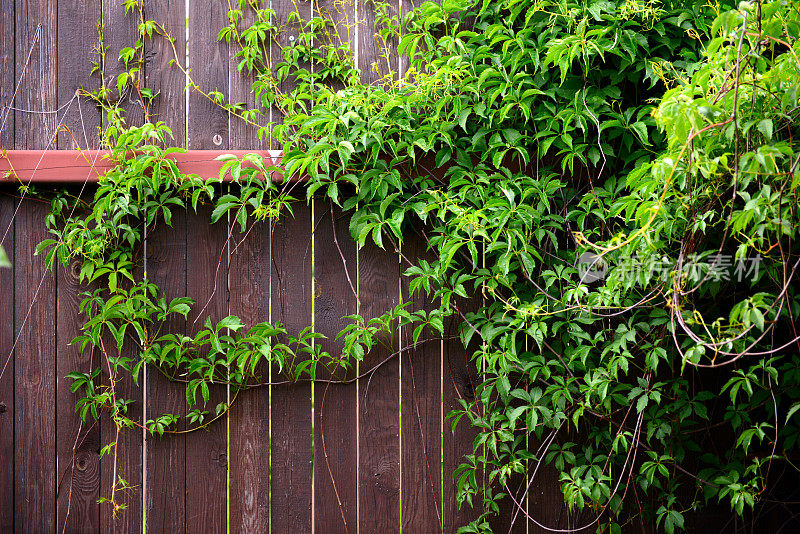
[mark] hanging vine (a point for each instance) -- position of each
(610, 185)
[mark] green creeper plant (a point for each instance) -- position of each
(608, 188)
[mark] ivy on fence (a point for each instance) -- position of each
(610, 185)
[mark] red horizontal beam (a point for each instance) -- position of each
(79, 166)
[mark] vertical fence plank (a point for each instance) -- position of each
(8, 77)
(35, 32)
(78, 443)
(35, 425)
(166, 456)
(35, 318)
(291, 404)
(291, 304)
(249, 415)
(249, 440)
(207, 451)
(286, 32)
(7, 83)
(7, 291)
(421, 412)
(77, 27)
(379, 402)
(125, 461)
(208, 61)
(375, 58)
(163, 77)
(459, 379)
(165, 477)
(119, 30)
(243, 135)
(335, 434)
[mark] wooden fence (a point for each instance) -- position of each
(372, 456)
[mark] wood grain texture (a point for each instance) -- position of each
(165, 476)
(78, 443)
(120, 31)
(249, 416)
(35, 383)
(208, 61)
(7, 205)
(379, 287)
(35, 317)
(379, 396)
(207, 276)
(35, 32)
(546, 503)
(7, 294)
(459, 379)
(292, 452)
(421, 437)
(335, 460)
(77, 27)
(129, 450)
(162, 77)
(243, 134)
(374, 58)
(287, 33)
(207, 450)
(8, 77)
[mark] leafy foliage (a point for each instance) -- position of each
(655, 141)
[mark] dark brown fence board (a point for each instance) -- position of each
(371, 51)
(8, 77)
(35, 446)
(7, 332)
(36, 54)
(129, 450)
(77, 27)
(421, 476)
(165, 476)
(78, 443)
(120, 31)
(379, 402)
(249, 415)
(291, 432)
(285, 36)
(165, 78)
(208, 61)
(459, 379)
(242, 133)
(335, 460)
(207, 449)
(35, 383)
(249, 419)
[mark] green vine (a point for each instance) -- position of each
(609, 185)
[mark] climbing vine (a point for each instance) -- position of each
(609, 189)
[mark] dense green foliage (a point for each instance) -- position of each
(655, 140)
